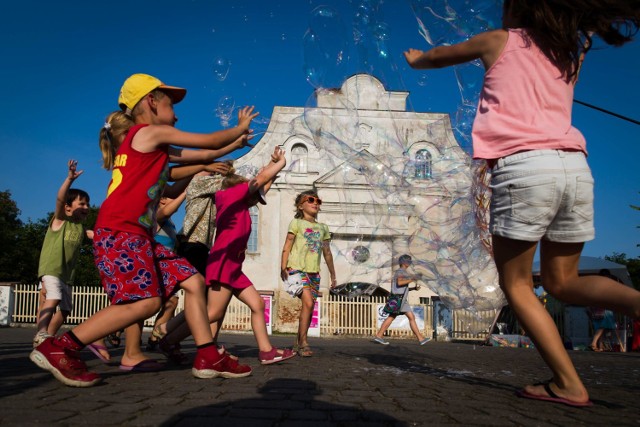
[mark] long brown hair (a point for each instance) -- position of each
(563, 29)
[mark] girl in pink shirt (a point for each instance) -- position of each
(542, 188)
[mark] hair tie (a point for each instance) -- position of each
(106, 126)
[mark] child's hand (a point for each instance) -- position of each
(218, 167)
(278, 155)
(245, 115)
(333, 282)
(243, 141)
(412, 56)
(73, 174)
(284, 274)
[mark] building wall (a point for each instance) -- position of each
(358, 127)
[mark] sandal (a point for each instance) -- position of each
(275, 355)
(172, 351)
(113, 340)
(154, 339)
(305, 351)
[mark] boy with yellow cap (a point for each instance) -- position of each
(138, 273)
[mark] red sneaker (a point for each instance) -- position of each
(64, 363)
(209, 363)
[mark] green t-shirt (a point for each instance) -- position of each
(307, 246)
(60, 251)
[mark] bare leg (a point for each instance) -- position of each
(414, 325)
(514, 261)
(595, 344)
(217, 303)
(195, 309)
(385, 325)
(252, 298)
(57, 321)
(115, 317)
(306, 312)
(132, 352)
(46, 313)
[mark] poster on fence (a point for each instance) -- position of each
(268, 299)
(401, 321)
(314, 327)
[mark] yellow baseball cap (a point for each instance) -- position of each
(138, 85)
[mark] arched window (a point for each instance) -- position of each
(252, 245)
(299, 155)
(423, 164)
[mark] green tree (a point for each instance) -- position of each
(632, 264)
(10, 227)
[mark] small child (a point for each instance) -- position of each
(307, 240)
(397, 302)
(542, 186)
(224, 268)
(166, 235)
(138, 273)
(59, 254)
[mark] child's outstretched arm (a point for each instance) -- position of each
(486, 46)
(269, 172)
(328, 258)
(179, 155)
(59, 215)
(170, 208)
(151, 137)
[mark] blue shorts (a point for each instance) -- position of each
(542, 194)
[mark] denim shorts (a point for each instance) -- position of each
(542, 194)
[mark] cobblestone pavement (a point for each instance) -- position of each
(348, 381)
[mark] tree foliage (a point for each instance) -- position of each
(21, 243)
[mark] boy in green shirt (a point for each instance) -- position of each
(59, 254)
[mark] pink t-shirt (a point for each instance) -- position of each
(233, 227)
(525, 104)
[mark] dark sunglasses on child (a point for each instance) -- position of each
(312, 199)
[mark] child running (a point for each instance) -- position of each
(137, 273)
(307, 240)
(58, 258)
(397, 302)
(542, 188)
(224, 266)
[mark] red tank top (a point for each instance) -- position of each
(136, 185)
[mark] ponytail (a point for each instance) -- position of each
(111, 135)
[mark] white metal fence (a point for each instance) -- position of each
(338, 315)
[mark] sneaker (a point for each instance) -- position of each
(64, 363)
(208, 365)
(380, 341)
(40, 337)
(274, 355)
(172, 351)
(424, 341)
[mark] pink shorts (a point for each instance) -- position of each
(133, 267)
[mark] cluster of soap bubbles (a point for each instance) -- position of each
(444, 211)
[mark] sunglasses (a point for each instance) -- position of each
(312, 200)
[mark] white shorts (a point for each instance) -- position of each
(58, 290)
(543, 194)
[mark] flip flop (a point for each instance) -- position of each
(95, 349)
(148, 365)
(552, 397)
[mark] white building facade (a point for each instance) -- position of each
(366, 156)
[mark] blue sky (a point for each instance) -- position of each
(64, 63)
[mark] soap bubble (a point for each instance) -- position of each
(220, 68)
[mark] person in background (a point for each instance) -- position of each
(397, 302)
